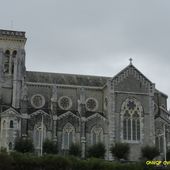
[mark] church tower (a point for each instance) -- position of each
(12, 66)
(12, 74)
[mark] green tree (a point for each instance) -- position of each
(75, 150)
(120, 150)
(50, 147)
(149, 152)
(97, 151)
(24, 145)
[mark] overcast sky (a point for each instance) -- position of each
(94, 37)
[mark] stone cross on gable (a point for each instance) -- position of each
(130, 59)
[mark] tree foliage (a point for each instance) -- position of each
(50, 147)
(24, 145)
(120, 150)
(97, 151)
(149, 152)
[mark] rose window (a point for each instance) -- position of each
(65, 103)
(91, 104)
(37, 101)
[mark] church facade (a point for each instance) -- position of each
(68, 108)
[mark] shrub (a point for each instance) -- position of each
(25, 161)
(24, 145)
(3, 150)
(75, 150)
(50, 147)
(97, 151)
(168, 155)
(54, 162)
(6, 162)
(149, 152)
(120, 150)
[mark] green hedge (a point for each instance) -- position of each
(19, 161)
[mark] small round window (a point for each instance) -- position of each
(91, 104)
(65, 103)
(37, 101)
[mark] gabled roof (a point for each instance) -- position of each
(131, 70)
(66, 79)
(39, 112)
(68, 113)
(11, 112)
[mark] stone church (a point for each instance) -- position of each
(83, 109)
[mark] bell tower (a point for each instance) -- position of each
(12, 66)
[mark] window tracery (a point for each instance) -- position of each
(131, 115)
(96, 135)
(91, 104)
(68, 136)
(39, 134)
(65, 103)
(37, 101)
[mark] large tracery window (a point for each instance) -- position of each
(96, 135)
(131, 115)
(68, 136)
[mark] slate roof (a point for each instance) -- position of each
(66, 79)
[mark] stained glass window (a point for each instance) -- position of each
(131, 118)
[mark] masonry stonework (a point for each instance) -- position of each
(82, 109)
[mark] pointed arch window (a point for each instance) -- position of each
(4, 124)
(68, 135)
(11, 124)
(10, 146)
(39, 134)
(96, 135)
(7, 62)
(14, 53)
(131, 115)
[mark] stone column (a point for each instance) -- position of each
(1, 71)
(24, 113)
(151, 114)
(55, 128)
(82, 111)
(111, 116)
(18, 77)
(54, 111)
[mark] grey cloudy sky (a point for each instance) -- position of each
(94, 36)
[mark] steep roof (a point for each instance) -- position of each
(132, 67)
(131, 70)
(66, 79)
